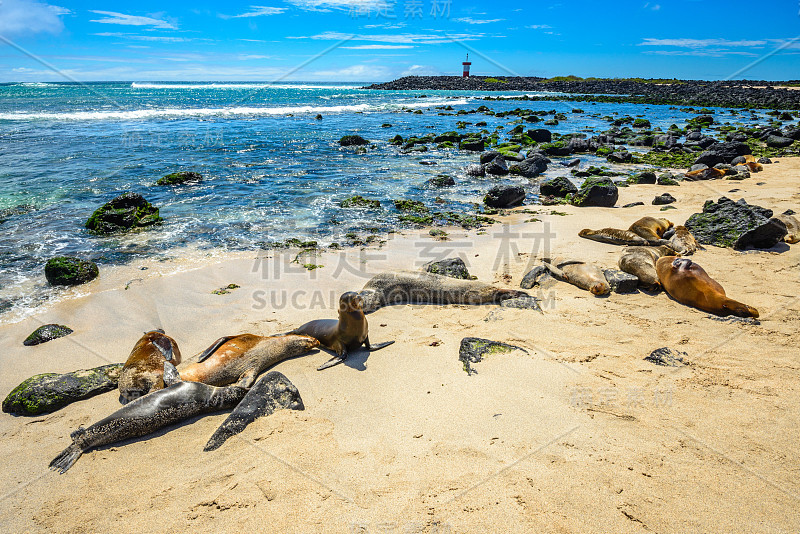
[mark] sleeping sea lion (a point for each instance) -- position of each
(683, 242)
(792, 225)
(613, 236)
(641, 263)
(349, 332)
(689, 284)
(583, 275)
(651, 229)
(177, 402)
(142, 372)
(242, 358)
(705, 174)
(416, 287)
(752, 164)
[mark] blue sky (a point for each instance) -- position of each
(374, 40)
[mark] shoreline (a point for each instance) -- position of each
(403, 436)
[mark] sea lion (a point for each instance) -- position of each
(704, 174)
(177, 402)
(689, 284)
(651, 229)
(242, 358)
(273, 391)
(613, 236)
(583, 275)
(143, 369)
(752, 164)
(416, 287)
(792, 225)
(641, 263)
(683, 242)
(347, 333)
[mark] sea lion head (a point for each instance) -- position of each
(135, 385)
(351, 302)
(666, 224)
(300, 343)
(600, 288)
(682, 264)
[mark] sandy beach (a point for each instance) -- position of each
(579, 434)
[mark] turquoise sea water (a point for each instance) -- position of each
(271, 170)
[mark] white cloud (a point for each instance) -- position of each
(360, 73)
(156, 38)
(539, 27)
(357, 6)
(257, 11)
(470, 20)
(376, 47)
(386, 26)
(700, 43)
(113, 17)
(399, 38)
(421, 70)
(27, 17)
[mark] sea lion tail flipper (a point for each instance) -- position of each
(66, 459)
(376, 346)
(555, 271)
(213, 348)
(171, 375)
(164, 346)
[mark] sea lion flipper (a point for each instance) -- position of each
(164, 346)
(247, 379)
(376, 346)
(213, 348)
(66, 459)
(171, 375)
(555, 271)
(336, 360)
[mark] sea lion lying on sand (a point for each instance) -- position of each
(646, 231)
(416, 287)
(704, 174)
(242, 358)
(142, 372)
(177, 402)
(641, 263)
(689, 284)
(792, 225)
(752, 164)
(583, 275)
(652, 229)
(349, 332)
(683, 242)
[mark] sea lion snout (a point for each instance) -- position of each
(350, 301)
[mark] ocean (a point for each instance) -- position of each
(271, 170)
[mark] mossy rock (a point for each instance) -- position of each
(49, 392)
(596, 191)
(46, 333)
(722, 223)
(177, 178)
(126, 212)
(353, 140)
(473, 349)
(414, 206)
(69, 271)
(452, 267)
(358, 201)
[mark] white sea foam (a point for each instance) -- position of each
(148, 85)
(238, 111)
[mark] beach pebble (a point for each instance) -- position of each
(523, 303)
(632, 204)
(661, 200)
(668, 357)
(46, 333)
(621, 282)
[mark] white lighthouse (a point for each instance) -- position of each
(466, 65)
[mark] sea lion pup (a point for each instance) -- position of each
(240, 359)
(142, 372)
(177, 402)
(584, 275)
(689, 284)
(641, 263)
(417, 287)
(613, 236)
(651, 229)
(792, 224)
(683, 242)
(347, 333)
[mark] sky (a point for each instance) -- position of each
(379, 40)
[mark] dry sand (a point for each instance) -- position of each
(578, 435)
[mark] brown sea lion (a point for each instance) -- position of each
(142, 372)
(792, 225)
(705, 174)
(752, 164)
(641, 263)
(613, 236)
(416, 287)
(240, 359)
(347, 333)
(689, 284)
(583, 275)
(651, 229)
(177, 402)
(683, 242)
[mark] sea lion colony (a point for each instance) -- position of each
(156, 394)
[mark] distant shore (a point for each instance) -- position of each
(731, 93)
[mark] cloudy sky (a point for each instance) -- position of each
(373, 40)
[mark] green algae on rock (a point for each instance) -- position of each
(473, 349)
(126, 212)
(358, 201)
(69, 271)
(177, 178)
(46, 333)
